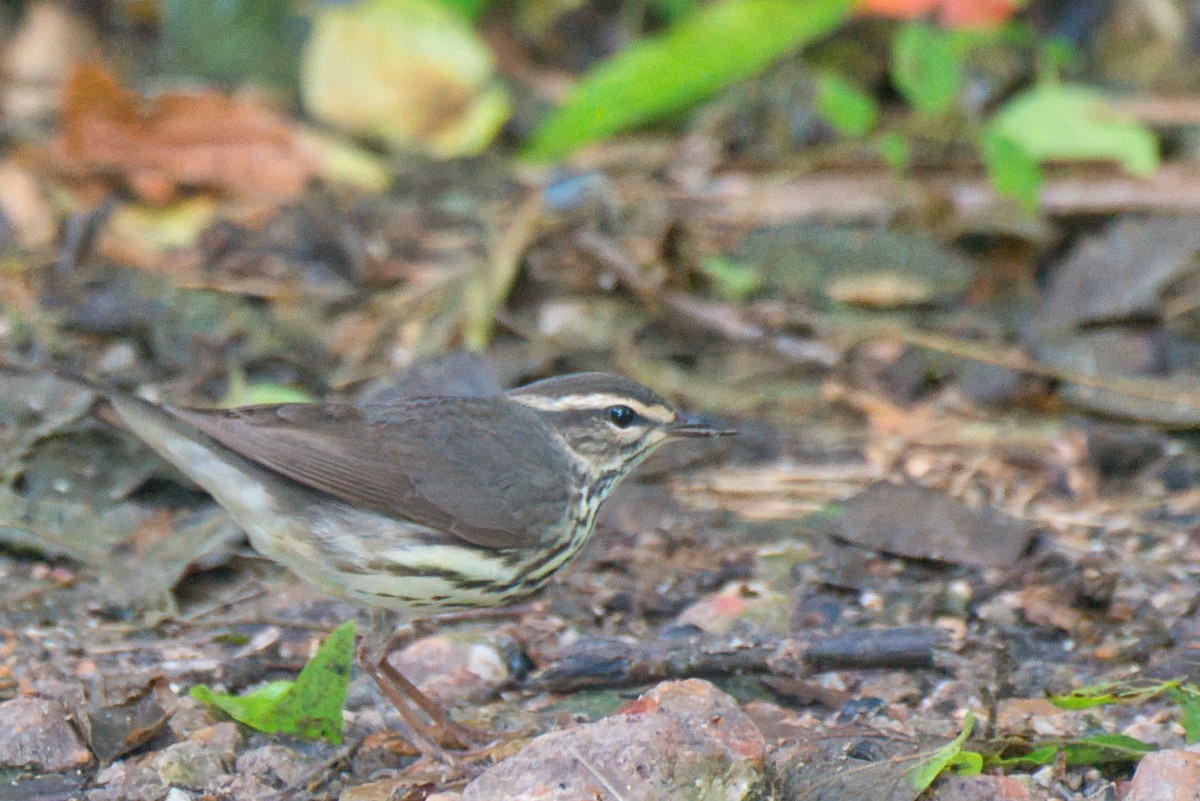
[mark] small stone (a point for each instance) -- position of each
(175, 794)
(190, 716)
(223, 738)
(188, 764)
(379, 790)
(201, 760)
(749, 604)
(453, 673)
(1044, 776)
(273, 764)
(395, 787)
(683, 740)
(128, 780)
(36, 734)
(1169, 775)
(381, 750)
(985, 788)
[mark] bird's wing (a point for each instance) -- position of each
(461, 465)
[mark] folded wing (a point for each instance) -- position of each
(482, 469)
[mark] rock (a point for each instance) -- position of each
(199, 761)
(189, 717)
(276, 763)
(1169, 775)
(453, 672)
(36, 734)
(921, 523)
(985, 788)
(740, 604)
(683, 740)
(264, 772)
(379, 790)
(408, 785)
(122, 725)
(128, 780)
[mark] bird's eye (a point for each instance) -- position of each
(621, 416)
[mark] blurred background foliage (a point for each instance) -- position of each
(1017, 86)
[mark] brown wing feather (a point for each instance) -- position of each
(477, 468)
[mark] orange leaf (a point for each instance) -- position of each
(951, 13)
(976, 13)
(898, 9)
(200, 139)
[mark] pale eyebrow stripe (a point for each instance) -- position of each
(597, 400)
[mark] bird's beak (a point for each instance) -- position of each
(685, 426)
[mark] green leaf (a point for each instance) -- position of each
(949, 755)
(310, 707)
(1038, 756)
(1110, 693)
(733, 280)
(1187, 697)
(894, 149)
(1075, 123)
(1013, 172)
(1087, 697)
(967, 763)
(1106, 749)
(241, 393)
(674, 9)
(232, 42)
(1053, 56)
(928, 66)
(720, 44)
(471, 9)
(847, 108)
(1095, 751)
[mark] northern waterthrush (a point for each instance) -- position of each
(423, 504)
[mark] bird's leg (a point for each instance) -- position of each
(443, 727)
(421, 734)
(428, 735)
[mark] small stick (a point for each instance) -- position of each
(611, 662)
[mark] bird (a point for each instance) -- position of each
(419, 505)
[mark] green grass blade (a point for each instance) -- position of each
(714, 47)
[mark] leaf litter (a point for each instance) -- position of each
(889, 549)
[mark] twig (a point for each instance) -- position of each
(610, 662)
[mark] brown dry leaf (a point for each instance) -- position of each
(156, 146)
(1037, 717)
(1047, 606)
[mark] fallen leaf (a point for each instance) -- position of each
(409, 72)
(309, 707)
(200, 139)
(951, 13)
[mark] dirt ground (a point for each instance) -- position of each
(964, 494)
